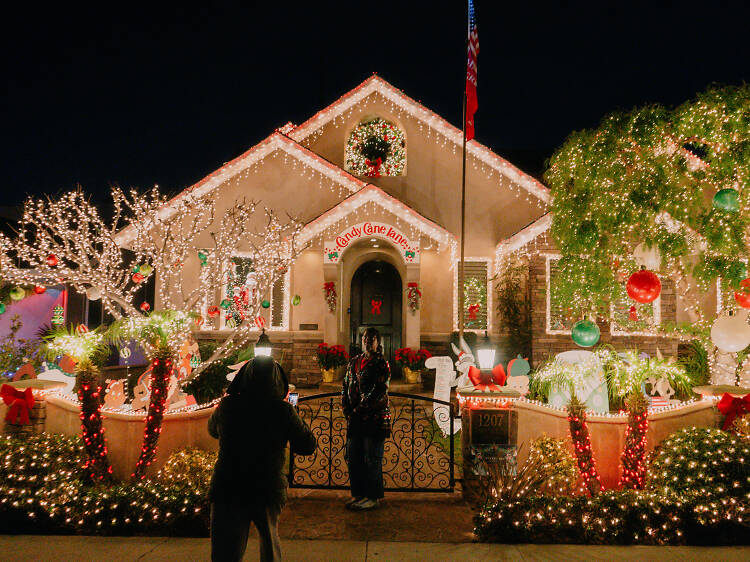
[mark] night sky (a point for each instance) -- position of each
(149, 95)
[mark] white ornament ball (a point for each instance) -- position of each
(648, 256)
(94, 293)
(731, 333)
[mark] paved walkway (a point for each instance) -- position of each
(84, 549)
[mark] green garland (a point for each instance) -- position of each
(372, 141)
(610, 184)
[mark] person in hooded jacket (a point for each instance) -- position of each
(364, 400)
(253, 423)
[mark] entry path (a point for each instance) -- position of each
(151, 549)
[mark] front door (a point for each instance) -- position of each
(376, 301)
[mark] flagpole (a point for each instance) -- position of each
(461, 296)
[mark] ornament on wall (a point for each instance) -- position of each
(145, 307)
(81, 329)
(329, 289)
(376, 148)
(265, 303)
(137, 277)
(39, 290)
(413, 296)
(644, 286)
(375, 306)
(585, 333)
(58, 315)
(296, 299)
(473, 309)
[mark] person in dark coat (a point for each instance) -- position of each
(364, 399)
(253, 423)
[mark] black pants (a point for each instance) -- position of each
(230, 526)
(364, 455)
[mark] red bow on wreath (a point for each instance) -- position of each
(375, 306)
(328, 287)
(415, 287)
(487, 382)
(473, 309)
(19, 403)
(732, 408)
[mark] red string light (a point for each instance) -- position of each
(634, 454)
(579, 433)
(97, 466)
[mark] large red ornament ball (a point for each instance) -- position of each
(52, 260)
(743, 295)
(145, 307)
(644, 286)
(38, 290)
(137, 277)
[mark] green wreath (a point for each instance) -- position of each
(376, 148)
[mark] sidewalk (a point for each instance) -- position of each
(126, 549)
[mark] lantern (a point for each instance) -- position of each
(263, 345)
(644, 286)
(486, 354)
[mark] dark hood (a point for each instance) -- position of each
(262, 379)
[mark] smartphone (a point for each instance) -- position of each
(293, 398)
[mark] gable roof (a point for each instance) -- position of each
(275, 141)
(377, 85)
(373, 194)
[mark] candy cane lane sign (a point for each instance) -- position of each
(333, 249)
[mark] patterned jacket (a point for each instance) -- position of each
(364, 396)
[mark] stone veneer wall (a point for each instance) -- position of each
(544, 345)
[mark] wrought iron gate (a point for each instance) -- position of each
(417, 457)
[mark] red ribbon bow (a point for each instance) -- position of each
(733, 407)
(375, 306)
(473, 309)
(415, 286)
(19, 403)
(487, 382)
(328, 286)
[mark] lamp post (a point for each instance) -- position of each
(263, 346)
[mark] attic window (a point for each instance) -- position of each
(376, 148)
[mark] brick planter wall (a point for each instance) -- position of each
(37, 416)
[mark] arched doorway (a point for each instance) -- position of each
(376, 300)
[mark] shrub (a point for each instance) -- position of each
(212, 382)
(708, 463)
(560, 465)
(192, 467)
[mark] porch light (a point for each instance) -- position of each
(263, 345)
(486, 354)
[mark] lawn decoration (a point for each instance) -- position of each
(580, 371)
(444, 380)
(52, 372)
(115, 395)
(660, 393)
(26, 371)
(464, 362)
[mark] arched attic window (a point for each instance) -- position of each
(375, 148)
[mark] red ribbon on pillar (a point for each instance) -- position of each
(19, 403)
(415, 286)
(733, 407)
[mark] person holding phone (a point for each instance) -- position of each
(253, 423)
(364, 399)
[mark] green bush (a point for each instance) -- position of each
(212, 382)
(705, 462)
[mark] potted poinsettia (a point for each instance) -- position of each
(412, 362)
(330, 357)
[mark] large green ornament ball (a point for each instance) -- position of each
(265, 304)
(585, 333)
(727, 200)
(296, 299)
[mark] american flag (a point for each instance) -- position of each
(472, 104)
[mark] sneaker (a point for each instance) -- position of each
(352, 501)
(365, 505)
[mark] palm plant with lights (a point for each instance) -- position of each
(87, 349)
(161, 335)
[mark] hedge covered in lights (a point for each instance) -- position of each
(697, 492)
(43, 489)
